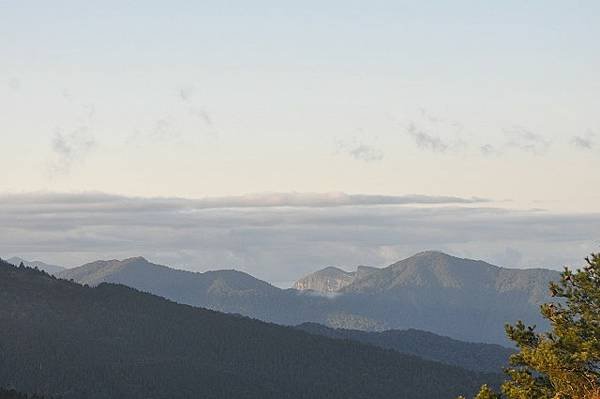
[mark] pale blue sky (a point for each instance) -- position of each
(496, 100)
(218, 98)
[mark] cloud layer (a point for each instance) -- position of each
(42, 202)
(279, 237)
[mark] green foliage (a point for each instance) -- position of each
(563, 363)
(487, 393)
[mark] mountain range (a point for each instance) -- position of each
(50, 269)
(111, 341)
(432, 291)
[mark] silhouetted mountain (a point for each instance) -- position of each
(477, 357)
(229, 291)
(139, 273)
(51, 269)
(464, 299)
(112, 341)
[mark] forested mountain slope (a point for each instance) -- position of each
(112, 341)
(13, 394)
(471, 356)
(50, 269)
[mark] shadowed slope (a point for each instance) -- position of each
(112, 341)
(471, 356)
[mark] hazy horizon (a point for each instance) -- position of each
(279, 139)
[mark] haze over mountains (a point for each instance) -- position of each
(112, 341)
(464, 299)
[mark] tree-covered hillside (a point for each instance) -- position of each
(111, 341)
(472, 356)
(13, 394)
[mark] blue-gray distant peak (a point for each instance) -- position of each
(50, 269)
(179, 285)
(434, 269)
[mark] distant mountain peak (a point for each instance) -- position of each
(50, 269)
(433, 252)
(333, 279)
(135, 259)
(182, 285)
(334, 269)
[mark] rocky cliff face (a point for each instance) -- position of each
(331, 279)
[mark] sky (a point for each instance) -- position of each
(436, 115)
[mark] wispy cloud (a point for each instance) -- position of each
(14, 84)
(431, 132)
(366, 153)
(185, 122)
(202, 114)
(70, 148)
(442, 134)
(526, 140)
(586, 142)
(73, 142)
(186, 93)
(489, 150)
(425, 140)
(165, 129)
(433, 119)
(359, 149)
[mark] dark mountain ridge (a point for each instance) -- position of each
(50, 269)
(471, 356)
(111, 341)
